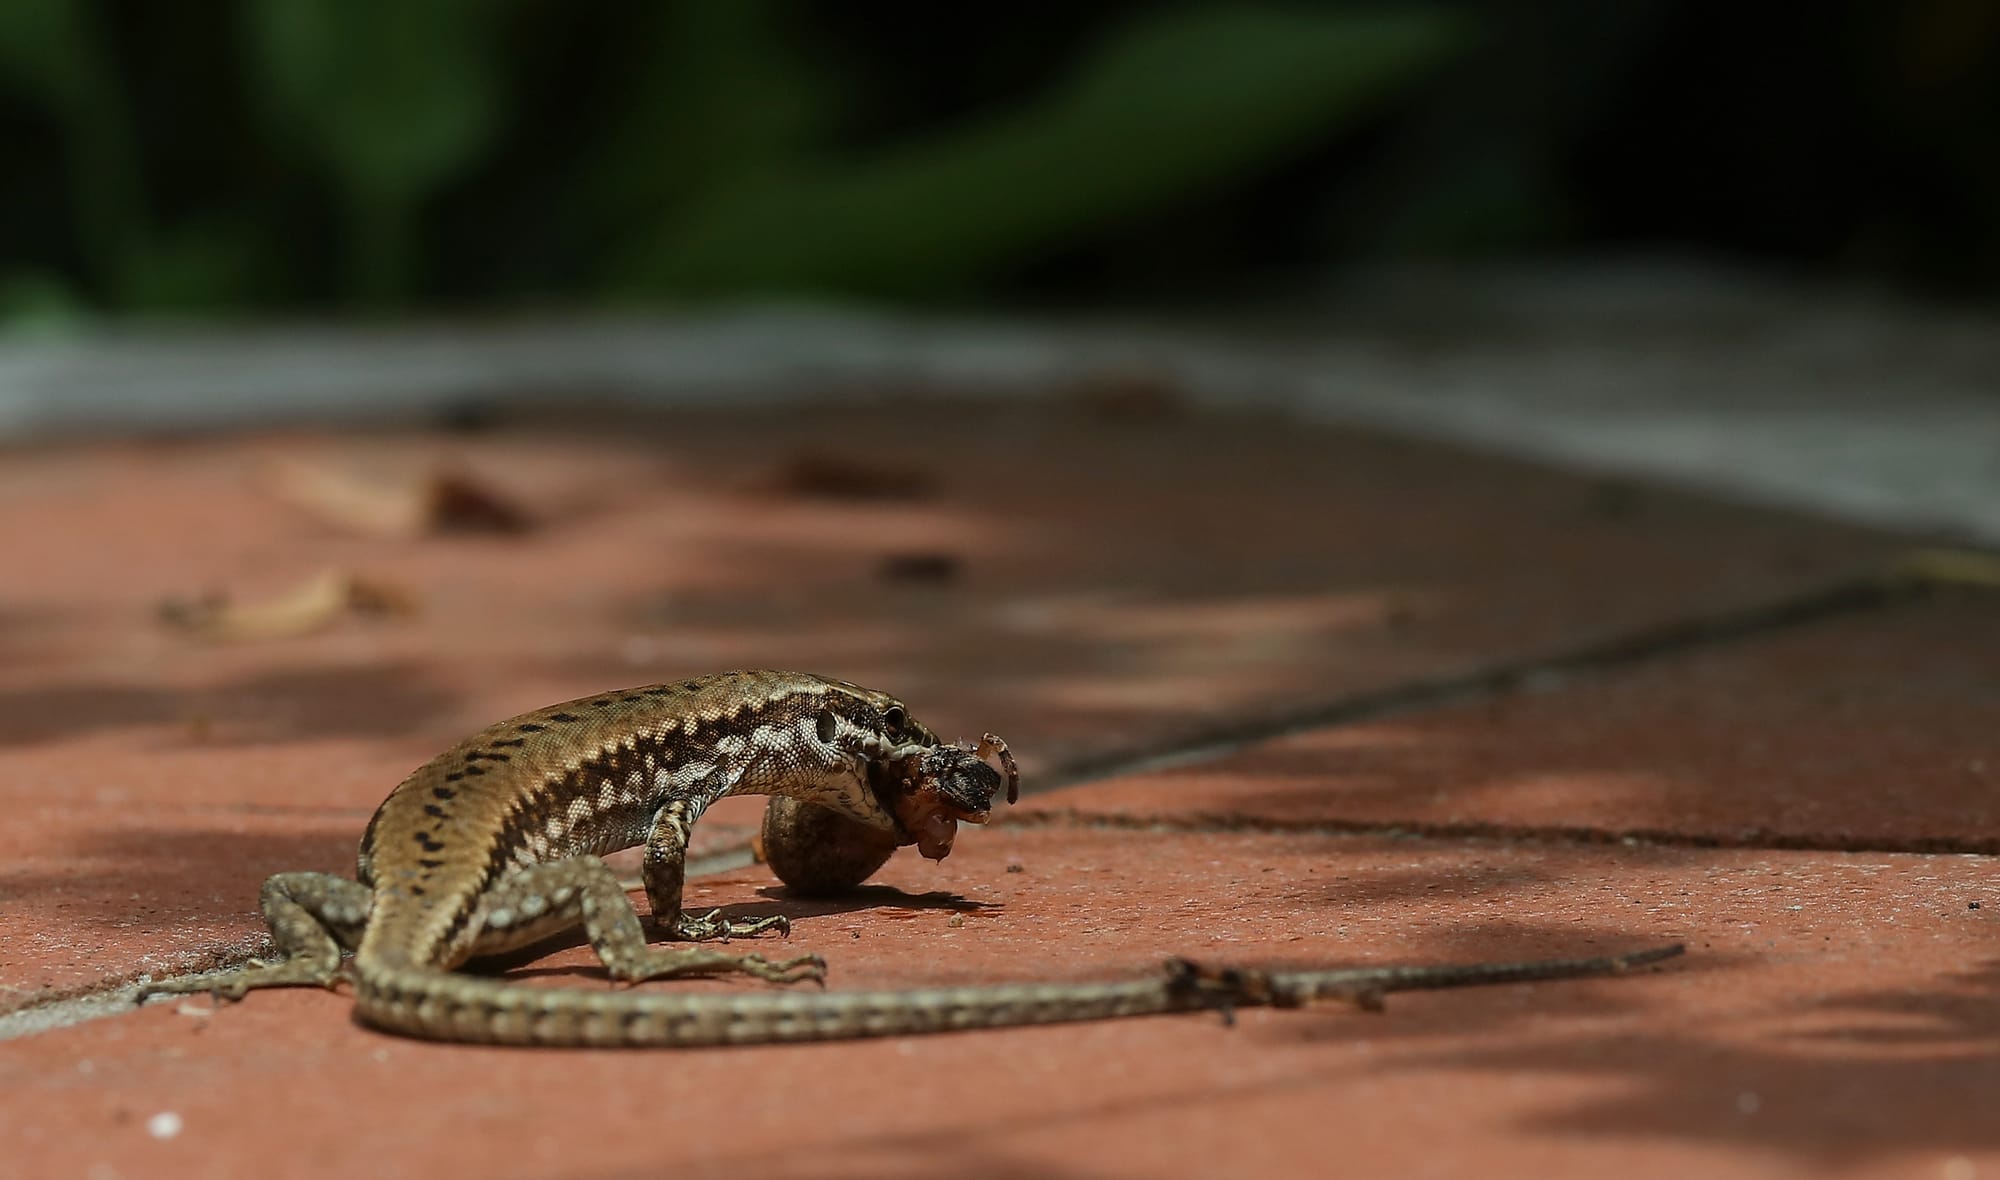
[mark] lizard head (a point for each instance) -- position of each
(916, 785)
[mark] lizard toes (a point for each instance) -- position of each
(798, 970)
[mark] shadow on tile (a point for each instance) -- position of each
(388, 700)
(1892, 1073)
(153, 877)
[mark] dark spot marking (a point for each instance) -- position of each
(417, 890)
(434, 811)
(492, 757)
(633, 699)
(513, 741)
(601, 703)
(531, 727)
(454, 776)
(475, 770)
(430, 864)
(443, 793)
(564, 717)
(429, 842)
(826, 726)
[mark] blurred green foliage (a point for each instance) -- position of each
(1176, 105)
(233, 155)
(386, 98)
(714, 172)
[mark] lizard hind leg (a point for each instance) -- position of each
(582, 890)
(311, 916)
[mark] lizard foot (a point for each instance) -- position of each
(802, 969)
(1227, 987)
(687, 962)
(234, 985)
(712, 925)
(1243, 987)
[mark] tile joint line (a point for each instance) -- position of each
(1907, 577)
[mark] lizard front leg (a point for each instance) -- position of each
(311, 916)
(664, 871)
(543, 899)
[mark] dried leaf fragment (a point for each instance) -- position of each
(461, 503)
(816, 474)
(919, 566)
(437, 501)
(312, 606)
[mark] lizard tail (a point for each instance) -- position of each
(439, 1005)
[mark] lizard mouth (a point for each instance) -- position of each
(929, 793)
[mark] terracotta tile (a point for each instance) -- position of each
(1119, 586)
(1867, 731)
(1836, 1012)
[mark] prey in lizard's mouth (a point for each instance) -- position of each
(930, 792)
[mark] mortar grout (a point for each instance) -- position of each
(1906, 578)
(1759, 839)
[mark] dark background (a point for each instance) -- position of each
(314, 156)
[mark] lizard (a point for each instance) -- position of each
(496, 844)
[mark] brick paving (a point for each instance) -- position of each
(1809, 806)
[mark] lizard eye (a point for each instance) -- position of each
(894, 719)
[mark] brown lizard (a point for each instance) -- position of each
(495, 844)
